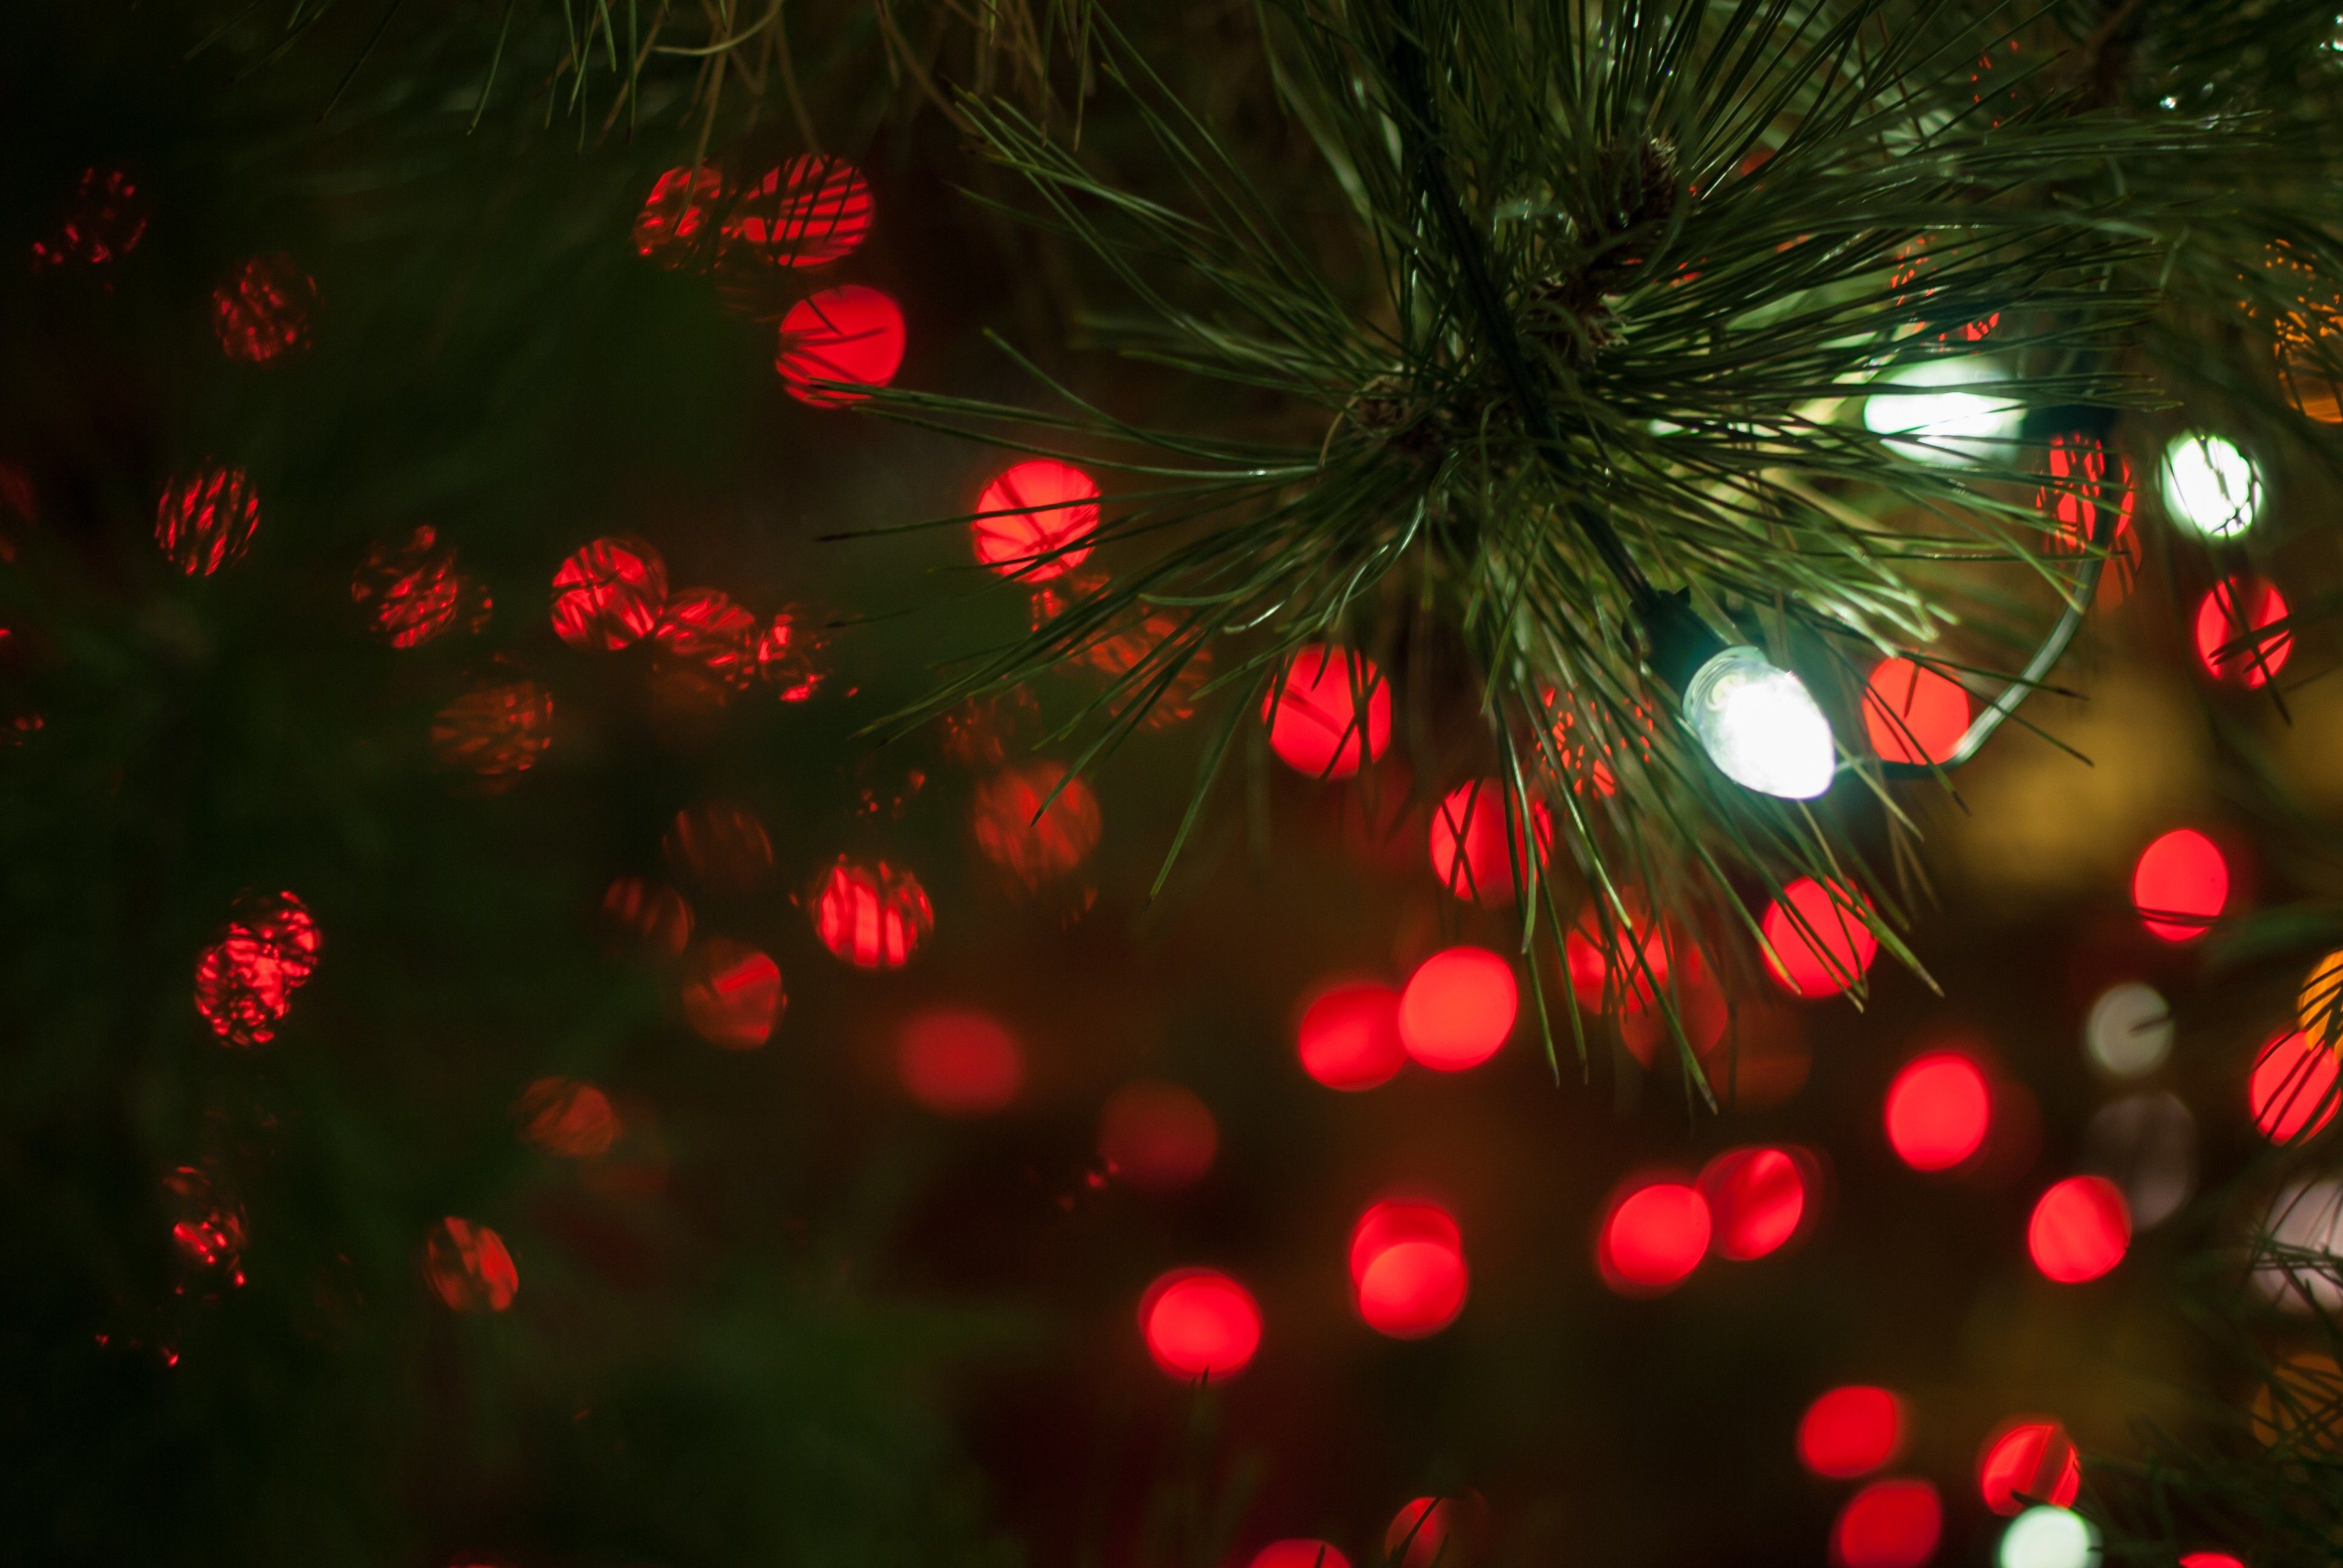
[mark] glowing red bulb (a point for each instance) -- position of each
(1653, 1238)
(2180, 885)
(1034, 845)
(808, 214)
(1458, 1008)
(1851, 1432)
(608, 594)
(2232, 639)
(1349, 1036)
(2080, 1229)
(1820, 944)
(246, 979)
(468, 1267)
(1476, 841)
(1893, 1524)
(1315, 724)
(873, 915)
(1756, 1201)
(959, 1063)
(2292, 1091)
(1408, 1277)
(206, 520)
(2210, 1560)
(838, 344)
(1035, 520)
(732, 994)
(1938, 1109)
(1199, 1323)
(1299, 1553)
(1426, 1532)
(1157, 1136)
(2025, 1461)
(1911, 713)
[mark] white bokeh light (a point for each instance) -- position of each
(1945, 410)
(2146, 1145)
(2306, 1217)
(2128, 1030)
(2210, 486)
(2049, 1538)
(1760, 725)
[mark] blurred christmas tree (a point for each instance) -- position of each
(556, 1014)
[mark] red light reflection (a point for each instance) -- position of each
(1034, 846)
(261, 312)
(468, 1267)
(2028, 1461)
(1314, 723)
(641, 912)
(732, 994)
(498, 731)
(959, 1064)
(1037, 519)
(872, 914)
(408, 593)
(1756, 1201)
(566, 1117)
(608, 593)
(205, 519)
(809, 213)
(852, 336)
(1157, 1136)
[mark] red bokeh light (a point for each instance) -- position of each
(104, 223)
(674, 218)
(1938, 1109)
(1756, 1201)
(262, 311)
(1041, 515)
(1014, 833)
(1299, 1552)
(1458, 1008)
(1426, 1532)
(872, 914)
(2180, 885)
(1349, 1036)
(1199, 1323)
(468, 1267)
(498, 731)
(2028, 1461)
(1157, 1136)
(1407, 1277)
(639, 912)
(1893, 1524)
(608, 594)
(721, 845)
(704, 647)
(1625, 966)
(1653, 1238)
(1314, 723)
(2231, 638)
(792, 656)
(809, 213)
(959, 1064)
(408, 593)
(1911, 713)
(2210, 1560)
(207, 1228)
(206, 520)
(566, 1117)
(1851, 1432)
(2078, 471)
(851, 335)
(245, 980)
(1475, 840)
(2292, 1091)
(1820, 944)
(732, 994)
(2081, 1228)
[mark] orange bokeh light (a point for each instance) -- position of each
(809, 213)
(1756, 1201)
(1199, 1323)
(1653, 1238)
(205, 519)
(957, 1062)
(1315, 725)
(1851, 1432)
(608, 594)
(1937, 1110)
(1157, 1136)
(1407, 1277)
(1458, 1008)
(2292, 1089)
(872, 914)
(1820, 945)
(2232, 640)
(852, 336)
(566, 1117)
(1348, 1037)
(2180, 885)
(1475, 840)
(2080, 1229)
(1036, 519)
(732, 994)
(469, 1267)
(261, 312)
(2028, 1461)
(1032, 845)
(1893, 1524)
(1911, 713)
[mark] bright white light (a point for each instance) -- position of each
(2129, 1031)
(1946, 410)
(2049, 1538)
(1760, 726)
(2210, 486)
